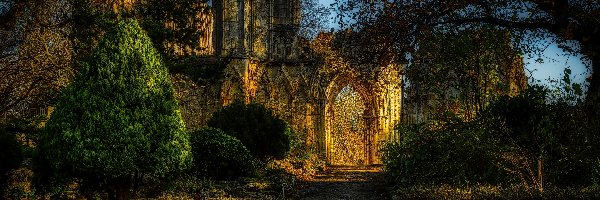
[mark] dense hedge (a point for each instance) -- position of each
(119, 117)
(263, 133)
(10, 151)
(557, 132)
(10, 155)
(503, 146)
(494, 192)
(219, 155)
(457, 155)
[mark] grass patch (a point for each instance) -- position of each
(494, 192)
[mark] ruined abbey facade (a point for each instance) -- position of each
(262, 60)
(267, 63)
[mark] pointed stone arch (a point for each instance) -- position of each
(365, 91)
(283, 87)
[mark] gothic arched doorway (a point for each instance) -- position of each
(350, 125)
(348, 134)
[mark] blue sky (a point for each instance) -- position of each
(555, 60)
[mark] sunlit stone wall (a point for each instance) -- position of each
(257, 42)
(303, 94)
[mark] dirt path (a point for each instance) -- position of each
(345, 183)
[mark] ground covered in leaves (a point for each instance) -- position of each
(345, 183)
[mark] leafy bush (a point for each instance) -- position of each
(555, 132)
(456, 154)
(10, 151)
(18, 184)
(219, 155)
(505, 145)
(494, 192)
(524, 120)
(10, 155)
(572, 155)
(302, 161)
(264, 134)
(119, 117)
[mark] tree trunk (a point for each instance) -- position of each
(120, 188)
(540, 174)
(112, 195)
(123, 188)
(593, 94)
(591, 48)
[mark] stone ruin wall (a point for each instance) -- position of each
(301, 94)
(266, 66)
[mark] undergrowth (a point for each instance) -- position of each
(494, 192)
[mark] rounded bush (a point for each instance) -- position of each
(219, 155)
(119, 117)
(264, 134)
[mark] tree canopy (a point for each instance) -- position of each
(314, 18)
(179, 22)
(463, 73)
(35, 56)
(398, 23)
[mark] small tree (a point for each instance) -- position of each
(263, 133)
(119, 119)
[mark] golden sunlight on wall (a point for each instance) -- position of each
(389, 88)
(349, 130)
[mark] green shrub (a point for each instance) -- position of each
(493, 192)
(573, 156)
(119, 117)
(264, 134)
(556, 132)
(503, 146)
(219, 155)
(10, 151)
(456, 155)
(10, 156)
(524, 120)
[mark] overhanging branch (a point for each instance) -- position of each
(502, 22)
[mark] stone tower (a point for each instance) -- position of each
(262, 30)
